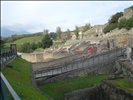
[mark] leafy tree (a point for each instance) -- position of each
(39, 45)
(33, 46)
(114, 18)
(53, 35)
(86, 27)
(58, 31)
(76, 32)
(46, 41)
(25, 47)
(68, 34)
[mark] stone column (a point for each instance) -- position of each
(128, 53)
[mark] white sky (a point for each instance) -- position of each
(35, 16)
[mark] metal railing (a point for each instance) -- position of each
(5, 58)
(9, 87)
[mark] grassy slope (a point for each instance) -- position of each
(32, 39)
(18, 75)
(28, 39)
(58, 89)
(126, 83)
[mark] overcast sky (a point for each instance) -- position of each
(35, 16)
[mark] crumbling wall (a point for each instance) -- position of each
(104, 91)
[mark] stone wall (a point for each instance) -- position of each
(29, 57)
(41, 57)
(108, 68)
(104, 91)
(128, 12)
(94, 30)
(121, 36)
(54, 62)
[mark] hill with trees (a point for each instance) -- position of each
(118, 21)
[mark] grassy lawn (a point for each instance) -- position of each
(126, 83)
(18, 75)
(58, 89)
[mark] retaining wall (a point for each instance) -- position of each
(104, 91)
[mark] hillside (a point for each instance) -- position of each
(118, 20)
(30, 39)
(18, 75)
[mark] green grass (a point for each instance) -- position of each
(35, 39)
(58, 89)
(32, 39)
(6, 45)
(126, 83)
(18, 75)
(57, 43)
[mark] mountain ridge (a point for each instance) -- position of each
(5, 32)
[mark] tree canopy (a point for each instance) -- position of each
(58, 31)
(68, 34)
(46, 41)
(76, 32)
(114, 18)
(86, 27)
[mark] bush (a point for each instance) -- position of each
(122, 23)
(110, 27)
(114, 18)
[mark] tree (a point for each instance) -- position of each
(25, 47)
(2, 42)
(53, 35)
(76, 32)
(58, 31)
(122, 23)
(68, 34)
(33, 46)
(39, 45)
(110, 27)
(46, 41)
(45, 31)
(86, 27)
(114, 18)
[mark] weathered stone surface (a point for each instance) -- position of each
(104, 91)
(112, 77)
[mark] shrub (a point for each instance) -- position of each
(114, 18)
